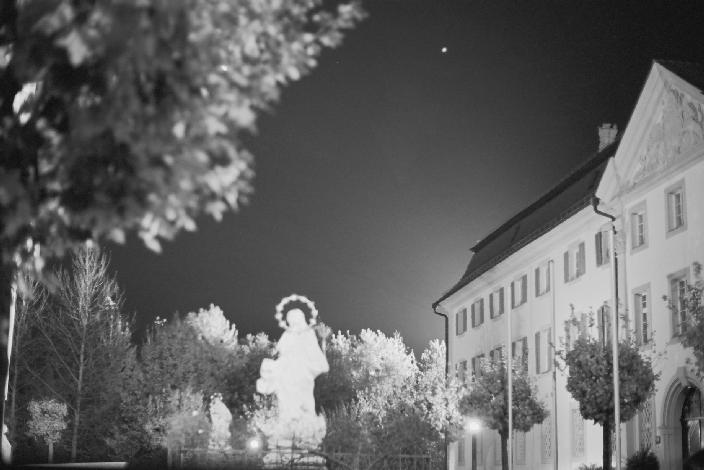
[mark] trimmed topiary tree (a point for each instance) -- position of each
(487, 400)
(47, 421)
(590, 381)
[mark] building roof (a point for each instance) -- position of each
(565, 199)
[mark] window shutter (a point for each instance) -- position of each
(513, 294)
(481, 311)
(597, 245)
(524, 288)
(474, 316)
(549, 349)
(524, 347)
(567, 265)
(492, 312)
(537, 282)
(501, 301)
(457, 323)
(581, 260)
(537, 352)
(548, 275)
(464, 320)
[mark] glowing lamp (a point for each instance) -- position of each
(254, 444)
(472, 425)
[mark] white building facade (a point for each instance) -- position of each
(554, 259)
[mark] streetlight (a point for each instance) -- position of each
(472, 425)
(254, 444)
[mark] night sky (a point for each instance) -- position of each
(377, 172)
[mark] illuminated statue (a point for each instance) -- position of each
(291, 377)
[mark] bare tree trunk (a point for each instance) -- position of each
(79, 390)
(51, 451)
(504, 450)
(606, 443)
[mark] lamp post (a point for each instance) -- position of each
(509, 371)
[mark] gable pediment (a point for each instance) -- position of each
(666, 128)
(677, 130)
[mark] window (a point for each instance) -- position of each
(519, 352)
(476, 364)
(603, 324)
(460, 451)
(678, 304)
(577, 434)
(496, 303)
(462, 371)
(546, 446)
(575, 328)
(496, 354)
(602, 246)
(519, 288)
(574, 259)
(676, 219)
(542, 279)
(641, 307)
(461, 321)
(477, 313)
(639, 227)
(543, 351)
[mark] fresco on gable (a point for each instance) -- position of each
(678, 130)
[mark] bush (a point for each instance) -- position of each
(644, 459)
(147, 459)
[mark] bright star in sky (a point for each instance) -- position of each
(444, 49)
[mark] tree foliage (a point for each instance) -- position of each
(590, 381)
(487, 400)
(693, 335)
(121, 116)
(47, 419)
(47, 422)
(379, 400)
(128, 115)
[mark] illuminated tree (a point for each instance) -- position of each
(379, 400)
(590, 382)
(487, 400)
(128, 116)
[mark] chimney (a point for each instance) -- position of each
(607, 135)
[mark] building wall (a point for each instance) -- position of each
(578, 441)
(668, 253)
(587, 292)
(661, 149)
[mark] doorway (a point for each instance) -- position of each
(692, 422)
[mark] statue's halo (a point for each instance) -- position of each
(292, 298)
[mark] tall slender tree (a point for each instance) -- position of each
(86, 338)
(31, 300)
